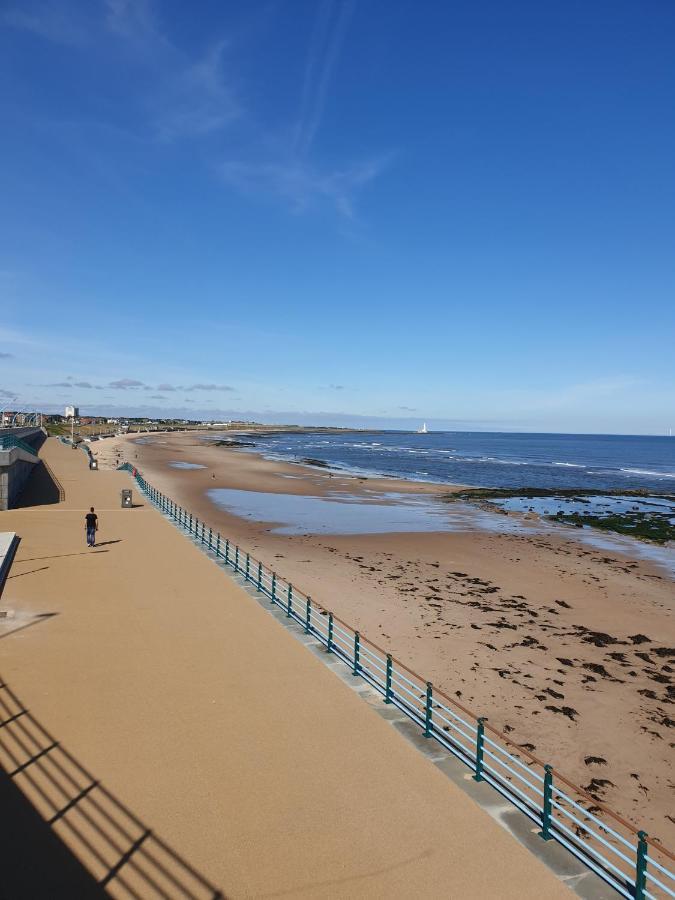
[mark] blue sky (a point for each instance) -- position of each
(351, 212)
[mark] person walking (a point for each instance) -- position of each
(91, 526)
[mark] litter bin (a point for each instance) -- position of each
(93, 463)
(126, 498)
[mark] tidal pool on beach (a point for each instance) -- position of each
(351, 514)
(595, 505)
(384, 513)
(176, 464)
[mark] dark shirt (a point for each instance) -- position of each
(92, 519)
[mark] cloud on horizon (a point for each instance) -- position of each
(122, 384)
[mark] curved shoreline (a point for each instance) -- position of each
(504, 622)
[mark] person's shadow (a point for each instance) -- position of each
(106, 543)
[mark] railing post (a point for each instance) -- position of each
(248, 565)
(387, 688)
(203, 532)
(259, 584)
(427, 710)
(190, 526)
(218, 545)
(289, 601)
(480, 739)
(274, 587)
(329, 645)
(236, 558)
(641, 866)
(227, 551)
(545, 832)
(308, 615)
(357, 653)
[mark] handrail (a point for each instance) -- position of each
(600, 847)
(59, 486)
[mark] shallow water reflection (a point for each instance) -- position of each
(351, 514)
(384, 513)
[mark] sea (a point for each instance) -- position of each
(489, 459)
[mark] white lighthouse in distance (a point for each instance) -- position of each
(423, 429)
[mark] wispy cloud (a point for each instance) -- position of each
(164, 387)
(289, 171)
(10, 395)
(302, 185)
(188, 97)
(330, 26)
(71, 383)
(49, 20)
(135, 21)
(6, 356)
(196, 101)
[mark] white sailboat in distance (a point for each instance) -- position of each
(423, 429)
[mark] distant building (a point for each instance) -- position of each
(72, 412)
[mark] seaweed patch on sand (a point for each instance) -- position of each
(638, 514)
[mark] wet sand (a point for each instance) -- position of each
(567, 648)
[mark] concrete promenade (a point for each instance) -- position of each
(225, 736)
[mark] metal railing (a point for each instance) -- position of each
(635, 865)
(8, 441)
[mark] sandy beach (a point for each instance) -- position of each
(565, 647)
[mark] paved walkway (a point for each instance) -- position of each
(219, 730)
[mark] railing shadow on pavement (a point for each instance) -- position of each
(64, 835)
